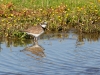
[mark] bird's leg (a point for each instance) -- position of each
(35, 39)
(36, 42)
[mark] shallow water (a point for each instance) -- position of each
(59, 54)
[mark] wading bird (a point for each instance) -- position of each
(36, 31)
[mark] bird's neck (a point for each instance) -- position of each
(43, 28)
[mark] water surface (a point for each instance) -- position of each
(58, 54)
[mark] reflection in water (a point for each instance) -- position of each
(82, 37)
(9, 42)
(0, 47)
(61, 58)
(36, 50)
(89, 37)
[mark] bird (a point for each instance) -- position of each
(37, 30)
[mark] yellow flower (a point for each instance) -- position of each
(96, 10)
(38, 19)
(59, 19)
(77, 7)
(6, 34)
(5, 14)
(14, 20)
(8, 28)
(53, 14)
(58, 16)
(68, 9)
(98, 17)
(12, 15)
(40, 9)
(2, 20)
(9, 17)
(66, 15)
(52, 9)
(98, 0)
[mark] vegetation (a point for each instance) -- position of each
(61, 15)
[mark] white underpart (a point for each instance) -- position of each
(36, 35)
(43, 25)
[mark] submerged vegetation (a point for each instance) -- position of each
(61, 15)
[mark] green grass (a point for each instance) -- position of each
(48, 3)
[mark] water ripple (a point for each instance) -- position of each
(62, 57)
